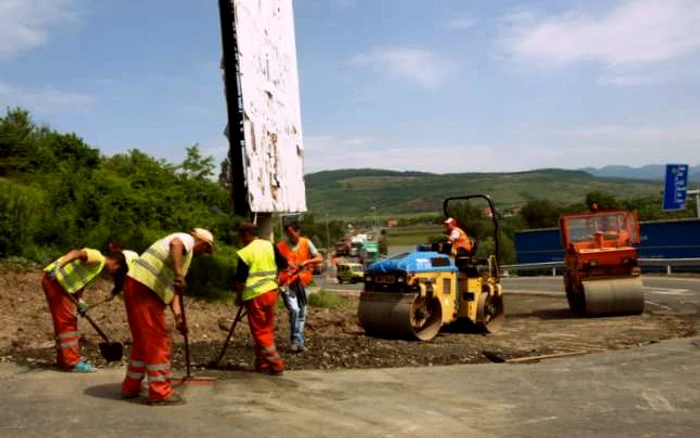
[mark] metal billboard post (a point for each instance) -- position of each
(675, 187)
(696, 193)
(234, 105)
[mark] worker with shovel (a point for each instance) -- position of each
(256, 287)
(155, 281)
(63, 283)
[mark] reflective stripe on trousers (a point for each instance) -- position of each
(65, 323)
(261, 319)
(150, 351)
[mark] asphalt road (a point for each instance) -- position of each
(651, 391)
(677, 293)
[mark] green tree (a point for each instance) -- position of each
(195, 165)
(540, 213)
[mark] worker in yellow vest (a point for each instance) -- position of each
(259, 263)
(154, 282)
(70, 275)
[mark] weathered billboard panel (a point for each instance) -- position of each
(269, 87)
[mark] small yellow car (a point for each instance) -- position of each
(350, 273)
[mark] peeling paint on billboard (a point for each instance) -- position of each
(269, 86)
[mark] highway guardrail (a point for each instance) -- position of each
(662, 262)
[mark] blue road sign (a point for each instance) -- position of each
(675, 187)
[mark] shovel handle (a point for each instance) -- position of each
(187, 343)
(92, 323)
(238, 317)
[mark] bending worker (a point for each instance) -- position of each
(63, 283)
(155, 281)
(301, 254)
(256, 287)
(457, 237)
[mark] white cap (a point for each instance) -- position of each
(202, 234)
(450, 221)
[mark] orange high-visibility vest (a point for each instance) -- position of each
(302, 253)
(462, 242)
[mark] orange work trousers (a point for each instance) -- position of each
(150, 350)
(65, 323)
(261, 319)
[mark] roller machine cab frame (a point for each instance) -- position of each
(601, 273)
(412, 295)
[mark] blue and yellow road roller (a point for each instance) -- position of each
(413, 295)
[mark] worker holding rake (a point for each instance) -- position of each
(63, 282)
(156, 281)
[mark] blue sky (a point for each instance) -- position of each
(441, 85)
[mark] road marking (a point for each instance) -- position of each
(663, 306)
(661, 291)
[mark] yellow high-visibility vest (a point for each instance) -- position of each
(76, 275)
(154, 269)
(259, 255)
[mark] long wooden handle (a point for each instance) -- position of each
(94, 325)
(238, 317)
(545, 356)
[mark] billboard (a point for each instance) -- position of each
(273, 147)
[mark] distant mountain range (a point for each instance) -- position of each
(650, 172)
(365, 192)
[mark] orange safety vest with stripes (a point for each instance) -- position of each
(296, 256)
(462, 241)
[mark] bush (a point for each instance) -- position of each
(326, 300)
(19, 212)
(212, 276)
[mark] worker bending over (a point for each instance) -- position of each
(457, 237)
(63, 283)
(259, 262)
(157, 280)
(302, 255)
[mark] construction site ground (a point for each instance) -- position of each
(536, 324)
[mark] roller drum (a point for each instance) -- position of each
(623, 296)
(397, 315)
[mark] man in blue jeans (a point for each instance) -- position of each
(301, 254)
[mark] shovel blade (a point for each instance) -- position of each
(111, 351)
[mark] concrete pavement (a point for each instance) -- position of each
(644, 392)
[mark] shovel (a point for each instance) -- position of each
(110, 351)
(239, 316)
(189, 378)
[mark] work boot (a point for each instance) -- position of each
(296, 348)
(83, 367)
(173, 400)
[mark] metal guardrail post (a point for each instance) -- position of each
(668, 269)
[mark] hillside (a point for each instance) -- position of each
(649, 172)
(353, 192)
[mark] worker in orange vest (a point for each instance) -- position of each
(70, 275)
(457, 237)
(259, 263)
(301, 254)
(155, 281)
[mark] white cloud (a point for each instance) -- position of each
(634, 33)
(45, 100)
(24, 24)
(423, 66)
(462, 23)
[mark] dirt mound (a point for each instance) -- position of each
(534, 325)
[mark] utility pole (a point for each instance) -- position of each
(328, 236)
(695, 192)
